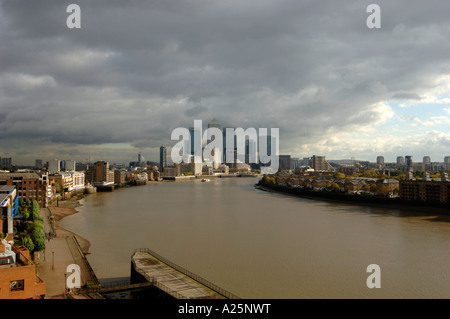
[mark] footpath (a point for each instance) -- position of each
(62, 248)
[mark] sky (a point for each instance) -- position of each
(136, 70)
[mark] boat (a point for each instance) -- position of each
(205, 180)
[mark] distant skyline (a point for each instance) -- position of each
(137, 70)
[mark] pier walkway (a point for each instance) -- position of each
(173, 279)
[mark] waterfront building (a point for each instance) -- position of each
(62, 181)
(68, 181)
(119, 177)
(172, 171)
(192, 167)
(29, 186)
(425, 191)
(100, 174)
(18, 275)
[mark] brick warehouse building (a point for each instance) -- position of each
(18, 278)
(425, 191)
(29, 186)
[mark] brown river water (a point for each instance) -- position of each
(259, 244)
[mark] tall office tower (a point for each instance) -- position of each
(426, 160)
(216, 155)
(409, 162)
(400, 160)
(162, 158)
(380, 160)
(229, 145)
(38, 164)
(70, 166)
(195, 140)
(54, 166)
(139, 160)
(216, 124)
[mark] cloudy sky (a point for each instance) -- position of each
(136, 70)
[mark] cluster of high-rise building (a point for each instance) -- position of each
(406, 163)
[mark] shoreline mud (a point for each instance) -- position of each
(64, 208)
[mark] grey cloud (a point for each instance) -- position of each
(135, 71)
(406, 96)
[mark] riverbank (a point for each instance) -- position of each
(63, 208)
(374, 201)
(63, 248)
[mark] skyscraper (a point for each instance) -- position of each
(216, 124)
(162, 158)
(380, 160)
(195, 140)
(409, 162)
(53, 166)
(400, 160)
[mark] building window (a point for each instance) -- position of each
(16, 285)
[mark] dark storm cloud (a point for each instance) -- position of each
(138, 69)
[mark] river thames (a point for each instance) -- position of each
(259, 244)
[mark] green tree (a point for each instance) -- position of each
(27, 242)
(339, 176)
(38, 237)
(36, 211)
(334, 186)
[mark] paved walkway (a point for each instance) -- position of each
(60, 251)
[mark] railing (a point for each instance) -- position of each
(186, 272)
(159, 285)
(86, 262)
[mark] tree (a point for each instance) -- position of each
(36, 211)
(38, 237)
(334, 186)
(27, 242)
(339, 176)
